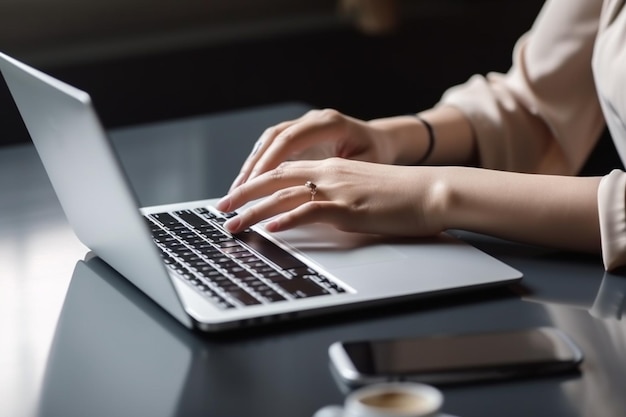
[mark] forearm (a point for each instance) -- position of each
(408, 138)
(556, 211)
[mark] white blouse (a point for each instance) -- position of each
(568, 81)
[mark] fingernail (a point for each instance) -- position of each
(272, 226)
(224, 204)
(232, 224)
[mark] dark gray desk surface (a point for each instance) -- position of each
(77, 340)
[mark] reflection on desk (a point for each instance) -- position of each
(603, 299)
(116, 353)
(588, 304)
(611, 298)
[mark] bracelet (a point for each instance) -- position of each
(431, 140)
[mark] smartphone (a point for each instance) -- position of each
(461, 358)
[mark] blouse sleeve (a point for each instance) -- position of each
(543, 116)
(612, 216)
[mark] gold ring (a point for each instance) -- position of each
(312, 188)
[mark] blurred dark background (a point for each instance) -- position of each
(147, 60)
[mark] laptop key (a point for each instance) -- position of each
(272, 296)
(242, 296)
(191, 218)
(227, 275)
(302, 288)
(205, 213)
(227, 243)
(269, 250)
(165, 219)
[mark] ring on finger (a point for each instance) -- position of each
(312, 188)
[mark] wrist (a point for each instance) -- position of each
(439, 198)
(430, 134)
(464, 197)
(455, 200)
(405, 139)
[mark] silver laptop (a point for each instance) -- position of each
(181, 257)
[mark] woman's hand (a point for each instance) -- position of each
(352, 196)
(358, 196)
(321, 134)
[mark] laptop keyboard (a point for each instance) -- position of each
(232, 270)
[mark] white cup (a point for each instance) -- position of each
(402, 399)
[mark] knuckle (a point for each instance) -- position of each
(332, 165)
(314, 206)
(238, 192)
(283, 125)
(330, 114)
(284, 137)
(332, 117)
(284, 166)
(282, 195)
(334, 161)
(271, 131)
(249, 215)
(327, 115)
(279, 172)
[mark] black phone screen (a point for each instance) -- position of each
(534, 347)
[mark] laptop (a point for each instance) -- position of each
(182, 258)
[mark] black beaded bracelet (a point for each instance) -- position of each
(431, 140)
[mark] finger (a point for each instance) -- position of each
(309, 213)
(311, 130)
(264, 141)
(281, 201)
(288, 174)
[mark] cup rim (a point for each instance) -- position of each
(430, 393)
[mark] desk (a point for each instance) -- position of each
(78, 340)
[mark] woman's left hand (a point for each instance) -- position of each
(350, 195)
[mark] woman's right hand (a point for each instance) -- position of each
(321, 134)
